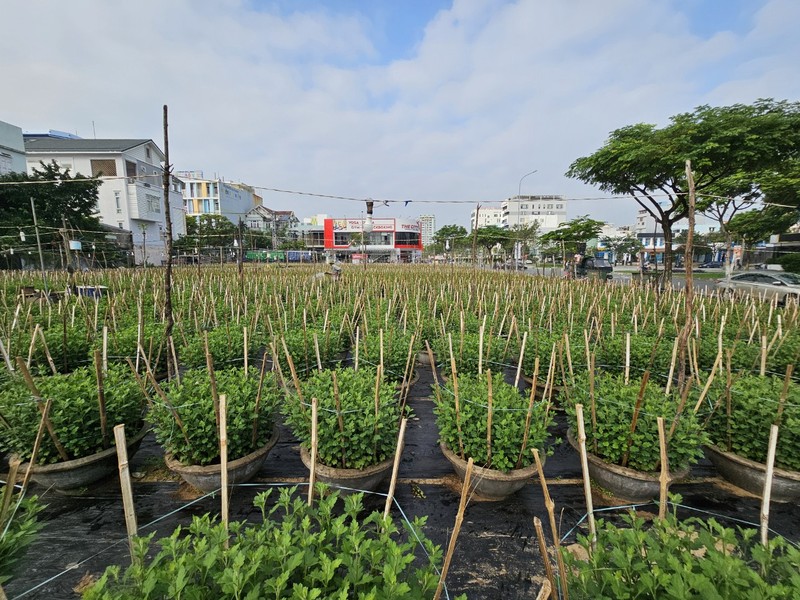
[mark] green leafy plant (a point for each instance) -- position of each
(754, 403)
(356, 429)
(510, 413)
(226, 345)
(298, 551)
(681, 559)
(192, 401)
(467, 354)
(75, 413)
(18, 528)
(615, 403)
(395, 352)
(300, 343)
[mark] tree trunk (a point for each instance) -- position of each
(666, 227)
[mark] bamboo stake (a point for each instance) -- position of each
(592, 403)
(396, 466)
(212, 378)
(312, 476)
(6, 359)
(672, 365)
(36, 445)
(101, 398)
(627, 357)
(521, 356)
(223, 460)
(62, 453)
(454, 374)
(105, 349)
(8, 492)
(529, 413)
(316, 352)
(773, 443)
(125, 486)
(47, 352)
(764, 354)
(664, 476)
(545, 591)
(587, 485)
(355, 362)
(431, 359)
(456, 529)
(489, 419)
(548, 568)
(246, 351)
(550, 505)
(635, 419)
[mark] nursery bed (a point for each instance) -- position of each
(496, 555)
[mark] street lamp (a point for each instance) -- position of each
(518, 244)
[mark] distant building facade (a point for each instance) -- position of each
(391, 240)
(487, 215)
(203, 196)
(12, 149)
(132, 197)
(522, 211)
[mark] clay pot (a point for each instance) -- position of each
(208, 478)
(491, 484)
(628, 484)
(71, 475)
(367, 479)
(750, 475)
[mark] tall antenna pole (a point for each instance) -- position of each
(39, 245)
(168, 272)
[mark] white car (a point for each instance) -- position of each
(780, 285)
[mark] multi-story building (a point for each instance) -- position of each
(522, 211)
(391, 240)
(427, 225)
(487, 215)
(203, 196)
(281, 225)
(131, 195)
(12, 149)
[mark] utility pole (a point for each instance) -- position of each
(475, 238)
(168, 273)
(66, 240)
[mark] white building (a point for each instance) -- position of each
(131, 197)
(521, 211)
(203, 196)
(427, 224)
(12, 149)
(488, 215)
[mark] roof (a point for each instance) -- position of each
(47, 143)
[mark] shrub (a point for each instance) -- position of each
(17, 531)
(298, 551)
(509, 412)
(366, 434)
(193, 402)
(754, 407)
(681, 559)
(614, 405)
(75, 414)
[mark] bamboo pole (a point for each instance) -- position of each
(6, 358)
(62, 453)
(101, 397)
(454, 373)
(545, 591)
(223, 460)
(663, 478)
(312, 475)
(395, 467)
(456, 529)
(635, 418)
(773, 443)
(36, 444)
(550, 505)
(528, 415)
(548, 568)
(587, 484)
(125, 486)
(489, 419)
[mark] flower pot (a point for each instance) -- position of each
(628, 484)
(750, 475)
(491, 484)
(367, 479)
(208, 478)
(80, 472)
(423, 358)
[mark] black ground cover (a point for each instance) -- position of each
(496, 554)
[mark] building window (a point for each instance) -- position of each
(153, 203)
(147, 152)
(119, 224)
(559, 206)
(116, 202)
(523, 206)
(206, 206)
(106, 168)
(130, 170)
(549, 207)
(341, 239)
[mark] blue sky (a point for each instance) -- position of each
(444, 103)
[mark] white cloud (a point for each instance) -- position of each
(300, 101)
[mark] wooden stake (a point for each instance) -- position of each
(587, 484)
(245, 351)
(312, 476)
(627, 357)
(396, 466)
(6, 359)
(545, 591)
(456, 529)
(223, 459)
(663, 478)
(489, 420)
(101, 397)
(635, 419)
(773, 443)
(62, 453)
(550, 505)
(125, 485)
(36, 444)
(548, 568)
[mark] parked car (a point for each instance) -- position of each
(780, 285)
(714, 264)
(591, 267)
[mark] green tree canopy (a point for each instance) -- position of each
(457, 235)
(739, 151)
(628, 244)
(758, 225)
(491, 235)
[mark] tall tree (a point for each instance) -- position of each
(455, 234)
(732, 150)
(572, 234)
